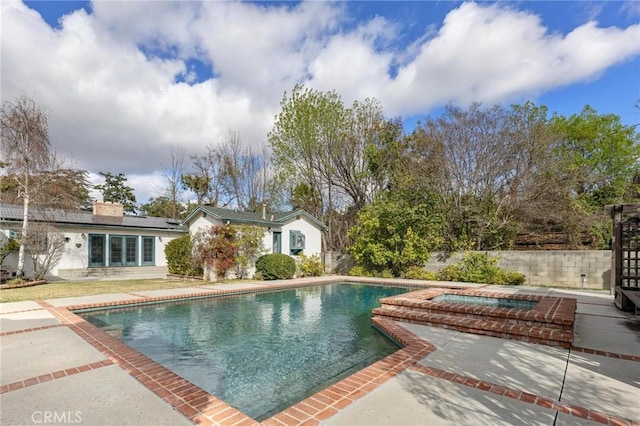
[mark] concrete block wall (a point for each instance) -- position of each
(557, 268)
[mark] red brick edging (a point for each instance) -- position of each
(27, 330)
(55, 375)
(571, 409)
(605, 353)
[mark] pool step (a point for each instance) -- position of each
(543, 326)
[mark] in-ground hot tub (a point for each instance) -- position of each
(539, 319)
(498, 302)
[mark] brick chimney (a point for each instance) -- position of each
(106, 208)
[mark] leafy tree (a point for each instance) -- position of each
(307, 132)
(600, 156)
(162, 207)
(198, 184)
(8, 247)
(304, 196)
(396, 232)
(26, 154)
(62, 188)
(321, 149)
(116, 190)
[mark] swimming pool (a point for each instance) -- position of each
(259, 352)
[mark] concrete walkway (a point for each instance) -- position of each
(591, 377)
(53, 372)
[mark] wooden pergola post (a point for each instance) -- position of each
(625, 256)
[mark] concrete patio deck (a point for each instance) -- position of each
(57, 369)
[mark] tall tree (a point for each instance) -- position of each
(198, 184)
(599, 154)
(247, 174)
(26, 152)
(324, 151)
(115, 190)
(208, 179)
(306, 134)
(162, 207)
(367, 131)
(63, 188)
(172, 173)
(488, 166)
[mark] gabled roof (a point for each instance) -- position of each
(275, 219)
(11, 213)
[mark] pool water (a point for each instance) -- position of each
(499, 302)
(260, 352)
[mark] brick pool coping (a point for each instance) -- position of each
(203, 408)
(549, 322)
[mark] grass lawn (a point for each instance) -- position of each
(89, 288)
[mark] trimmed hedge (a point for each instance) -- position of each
(276, 266)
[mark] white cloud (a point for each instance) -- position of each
(117, 102)
(495, 54)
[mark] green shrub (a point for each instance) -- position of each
(276, 266)
(386, 273)
(309, 266)
(360, 271)
(478, 267)
(418, 273)
(179, 257)
(449, 273)
(510, 278)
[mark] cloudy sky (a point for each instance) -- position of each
(124, 81)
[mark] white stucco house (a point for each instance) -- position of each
(290, 233)
(106, 243)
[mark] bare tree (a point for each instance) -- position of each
(26, 151)
(173, 172)
(366, 131)
(246, 173)
(208, 178)
(45, 246)
(488, 166)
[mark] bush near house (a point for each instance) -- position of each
(309, 266)
(216, 249)
(179, 257)
(276, 266)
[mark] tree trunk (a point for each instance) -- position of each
(210, 271)
(25, 224)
